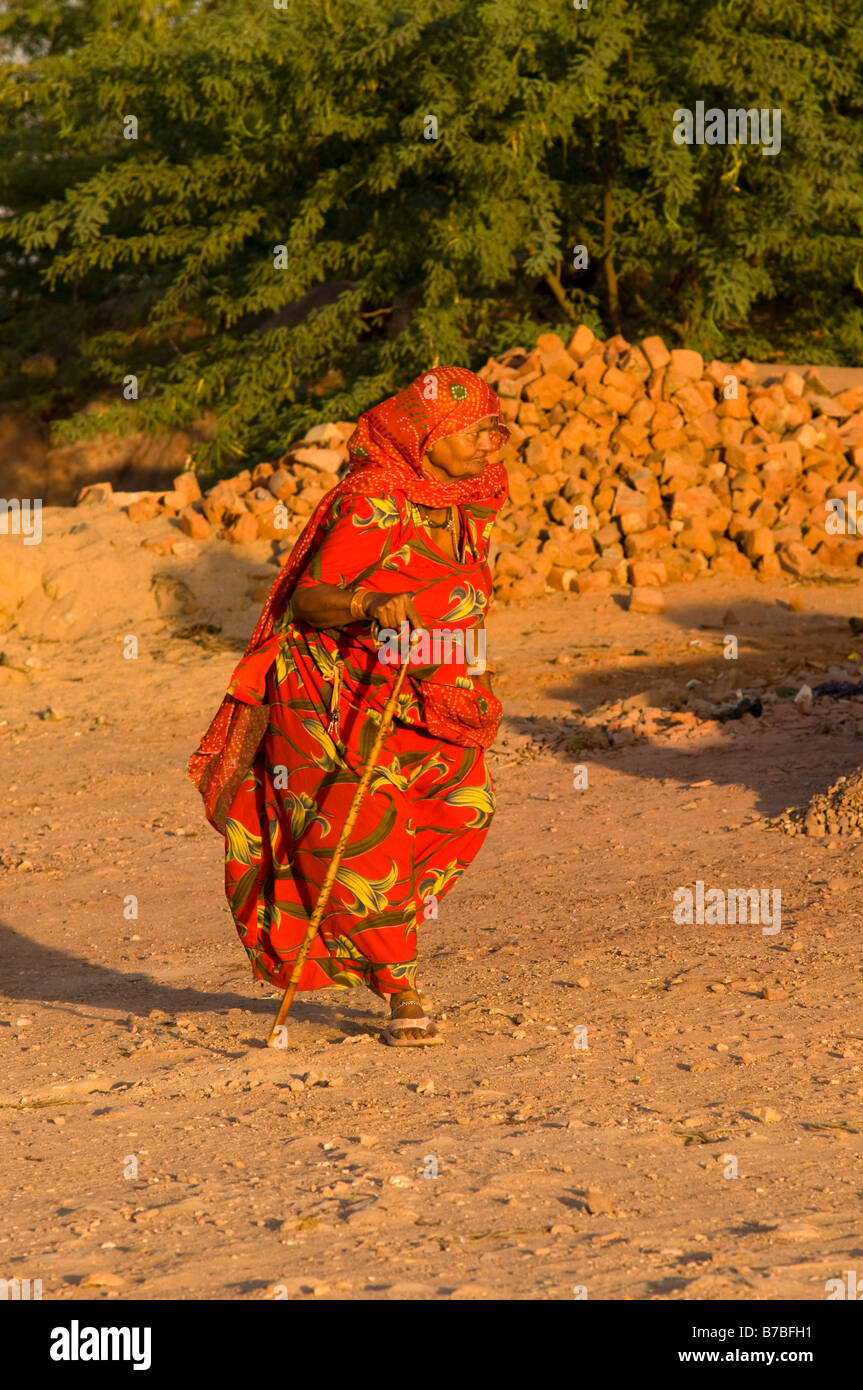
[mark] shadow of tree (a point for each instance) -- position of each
(778, 650)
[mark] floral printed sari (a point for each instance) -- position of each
(430, 801)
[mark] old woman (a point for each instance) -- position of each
(400, 544)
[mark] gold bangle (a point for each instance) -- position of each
(358, 596)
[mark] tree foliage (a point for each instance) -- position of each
(305, 127)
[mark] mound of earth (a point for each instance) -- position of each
(838, 811)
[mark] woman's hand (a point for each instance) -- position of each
(329, 605)
(391, 610)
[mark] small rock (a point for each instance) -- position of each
(597, 1202)
(792, 1230)
(94, 492)
(103, 1280)
(647, 599)
(186, 549)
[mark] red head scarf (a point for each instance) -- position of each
(385, 456)
(387, 447)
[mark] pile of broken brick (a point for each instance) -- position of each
(630, 465)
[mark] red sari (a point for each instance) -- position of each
(279, 766)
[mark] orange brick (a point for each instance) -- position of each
(615, 347)
(577, 433)
(621, 381)
(732, 562)
(688, 363)
(696, 535)
(656, 352)
(591, 581)
(630, 438)
(646, 571)
(591, 372)
(546, 391)
(597, 411)
(581, 343)
(668, 439)
(706, 428)
(215, 510)
(243, 529)
(796, 559)
(614, 399)
(734, 409)
(666, 416)
(195, 524)
(694, 399)
(160, 547)
(648, 599)
(641, 412)
(145, 509)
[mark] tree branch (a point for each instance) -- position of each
(552, 279)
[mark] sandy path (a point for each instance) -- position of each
(309, 1172)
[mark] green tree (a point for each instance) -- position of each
(307, 128)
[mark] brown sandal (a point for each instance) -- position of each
(427, 1026)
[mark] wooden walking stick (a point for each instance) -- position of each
(278, 1031)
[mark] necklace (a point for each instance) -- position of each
(449, 523)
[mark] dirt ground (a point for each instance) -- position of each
(153, 1147)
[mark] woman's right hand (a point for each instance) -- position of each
(391, 610)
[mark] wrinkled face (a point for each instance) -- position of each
(464, 455)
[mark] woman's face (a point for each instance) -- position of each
(464, 455)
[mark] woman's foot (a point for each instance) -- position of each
(404, 1007)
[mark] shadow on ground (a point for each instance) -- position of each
(778, 649)
(30, 970)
